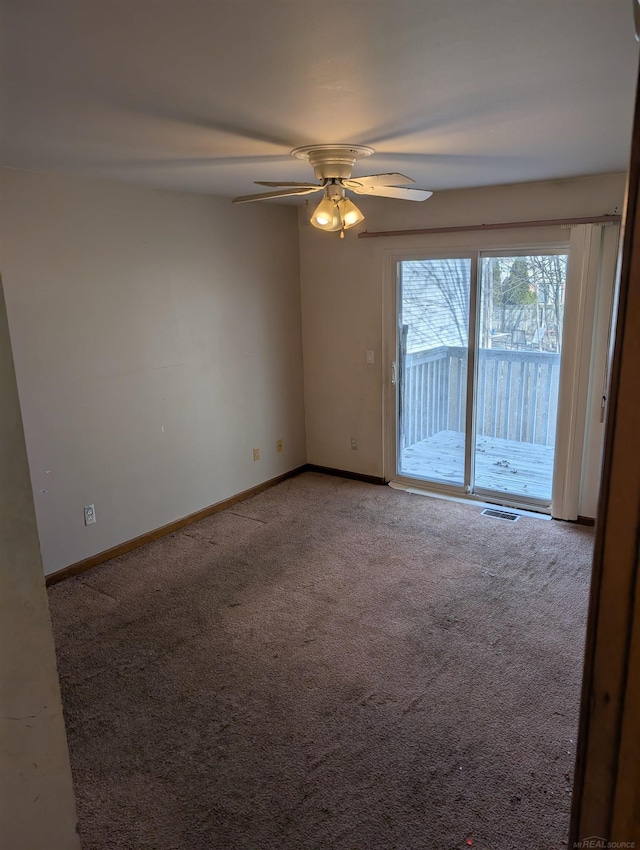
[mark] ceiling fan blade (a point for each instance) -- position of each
(292, 184)
(264, 196)
(395, 192)
(361, 183)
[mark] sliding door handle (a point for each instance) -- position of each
(394, 372)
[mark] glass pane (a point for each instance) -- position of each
(434, 319)
(518, 370)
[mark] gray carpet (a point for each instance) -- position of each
(329, 664)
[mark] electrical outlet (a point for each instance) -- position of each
(278, 445)
(89, 514)
(371, 357)
(354, 443)
(256, 454)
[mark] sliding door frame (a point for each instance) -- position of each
(390, 344)
(574, 380)
(472, 373)
(484, 493)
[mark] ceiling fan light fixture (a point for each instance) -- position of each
(326, 216)
(349, 213)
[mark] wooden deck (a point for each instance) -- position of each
(503, 466)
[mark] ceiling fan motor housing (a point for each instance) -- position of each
(332, 161)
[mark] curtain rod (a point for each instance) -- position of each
(505, 225)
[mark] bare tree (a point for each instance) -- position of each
(519, 293)
(548, 276)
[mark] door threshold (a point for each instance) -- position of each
(537, 513)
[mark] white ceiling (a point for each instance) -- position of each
(208, 96)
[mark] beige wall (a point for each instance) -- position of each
(37, 808)
(157, 341)
(342, 284)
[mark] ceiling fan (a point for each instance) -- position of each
(332, 165)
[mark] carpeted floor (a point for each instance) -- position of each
(329, 665)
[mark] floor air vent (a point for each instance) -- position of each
(500, 514)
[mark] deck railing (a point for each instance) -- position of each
(516, 394)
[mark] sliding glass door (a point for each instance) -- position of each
(517, 374)
(434, 352)
(479, 346)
